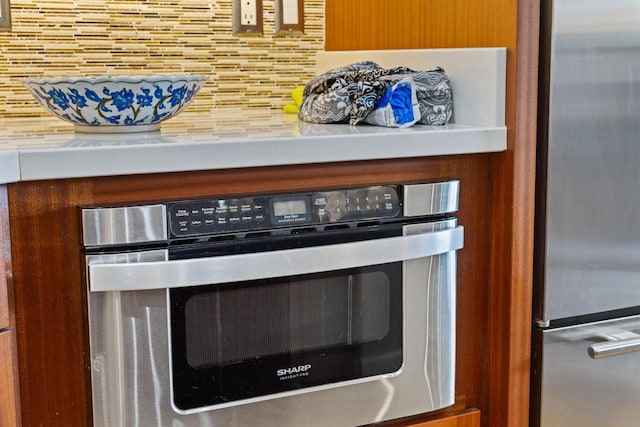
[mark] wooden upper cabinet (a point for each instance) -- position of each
(419, 24)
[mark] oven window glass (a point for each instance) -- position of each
(232, 324)
(236, 341)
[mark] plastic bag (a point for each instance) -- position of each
(398, 107)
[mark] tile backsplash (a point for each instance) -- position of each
(135, 37)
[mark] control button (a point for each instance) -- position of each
(388, 206)
(196, 223)
(320, 201)
(245, 208)
(247, 218)
(182, 212)
(259, 218)
(208, 211)
(233, 209)
(209, 221)
(222, 220)
(195, 212)
(388, 196)
(221, 210)
(234, 220)
(258, 207)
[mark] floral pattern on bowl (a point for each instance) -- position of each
(115, 104)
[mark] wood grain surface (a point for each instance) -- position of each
(9, 414)
(5, 254)
(9, 401)
(470, 418)
(500, 385)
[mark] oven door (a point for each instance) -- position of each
(342, 334)
(237, 341)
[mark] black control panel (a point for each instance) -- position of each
(237, 214)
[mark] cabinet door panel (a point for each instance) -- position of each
(8, 406)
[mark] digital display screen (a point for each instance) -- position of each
(289, 207)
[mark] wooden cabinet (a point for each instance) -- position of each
(496, 209)
(4, 259)
(8, 403)
(451, 417)
(48, 271)
(9, 413)
(469, 418)
(4, 302)
(494, 351)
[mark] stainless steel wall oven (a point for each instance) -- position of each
(314, 308)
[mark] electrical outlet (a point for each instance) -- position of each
(248, 12)
(289, 17)
(247, 17)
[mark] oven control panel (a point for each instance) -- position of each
(237, 214)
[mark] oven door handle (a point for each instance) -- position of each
(261, 265)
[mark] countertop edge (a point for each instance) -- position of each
(9, 167)
(67, 163)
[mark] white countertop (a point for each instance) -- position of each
(49, 148)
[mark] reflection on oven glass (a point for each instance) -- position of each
(234, 324)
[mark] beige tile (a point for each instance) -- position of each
(85, 37)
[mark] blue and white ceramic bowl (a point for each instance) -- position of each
(115, 104)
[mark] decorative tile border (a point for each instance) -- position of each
(85, 37)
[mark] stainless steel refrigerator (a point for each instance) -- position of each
(586, 339)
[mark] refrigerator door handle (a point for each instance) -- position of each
(615, 347)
